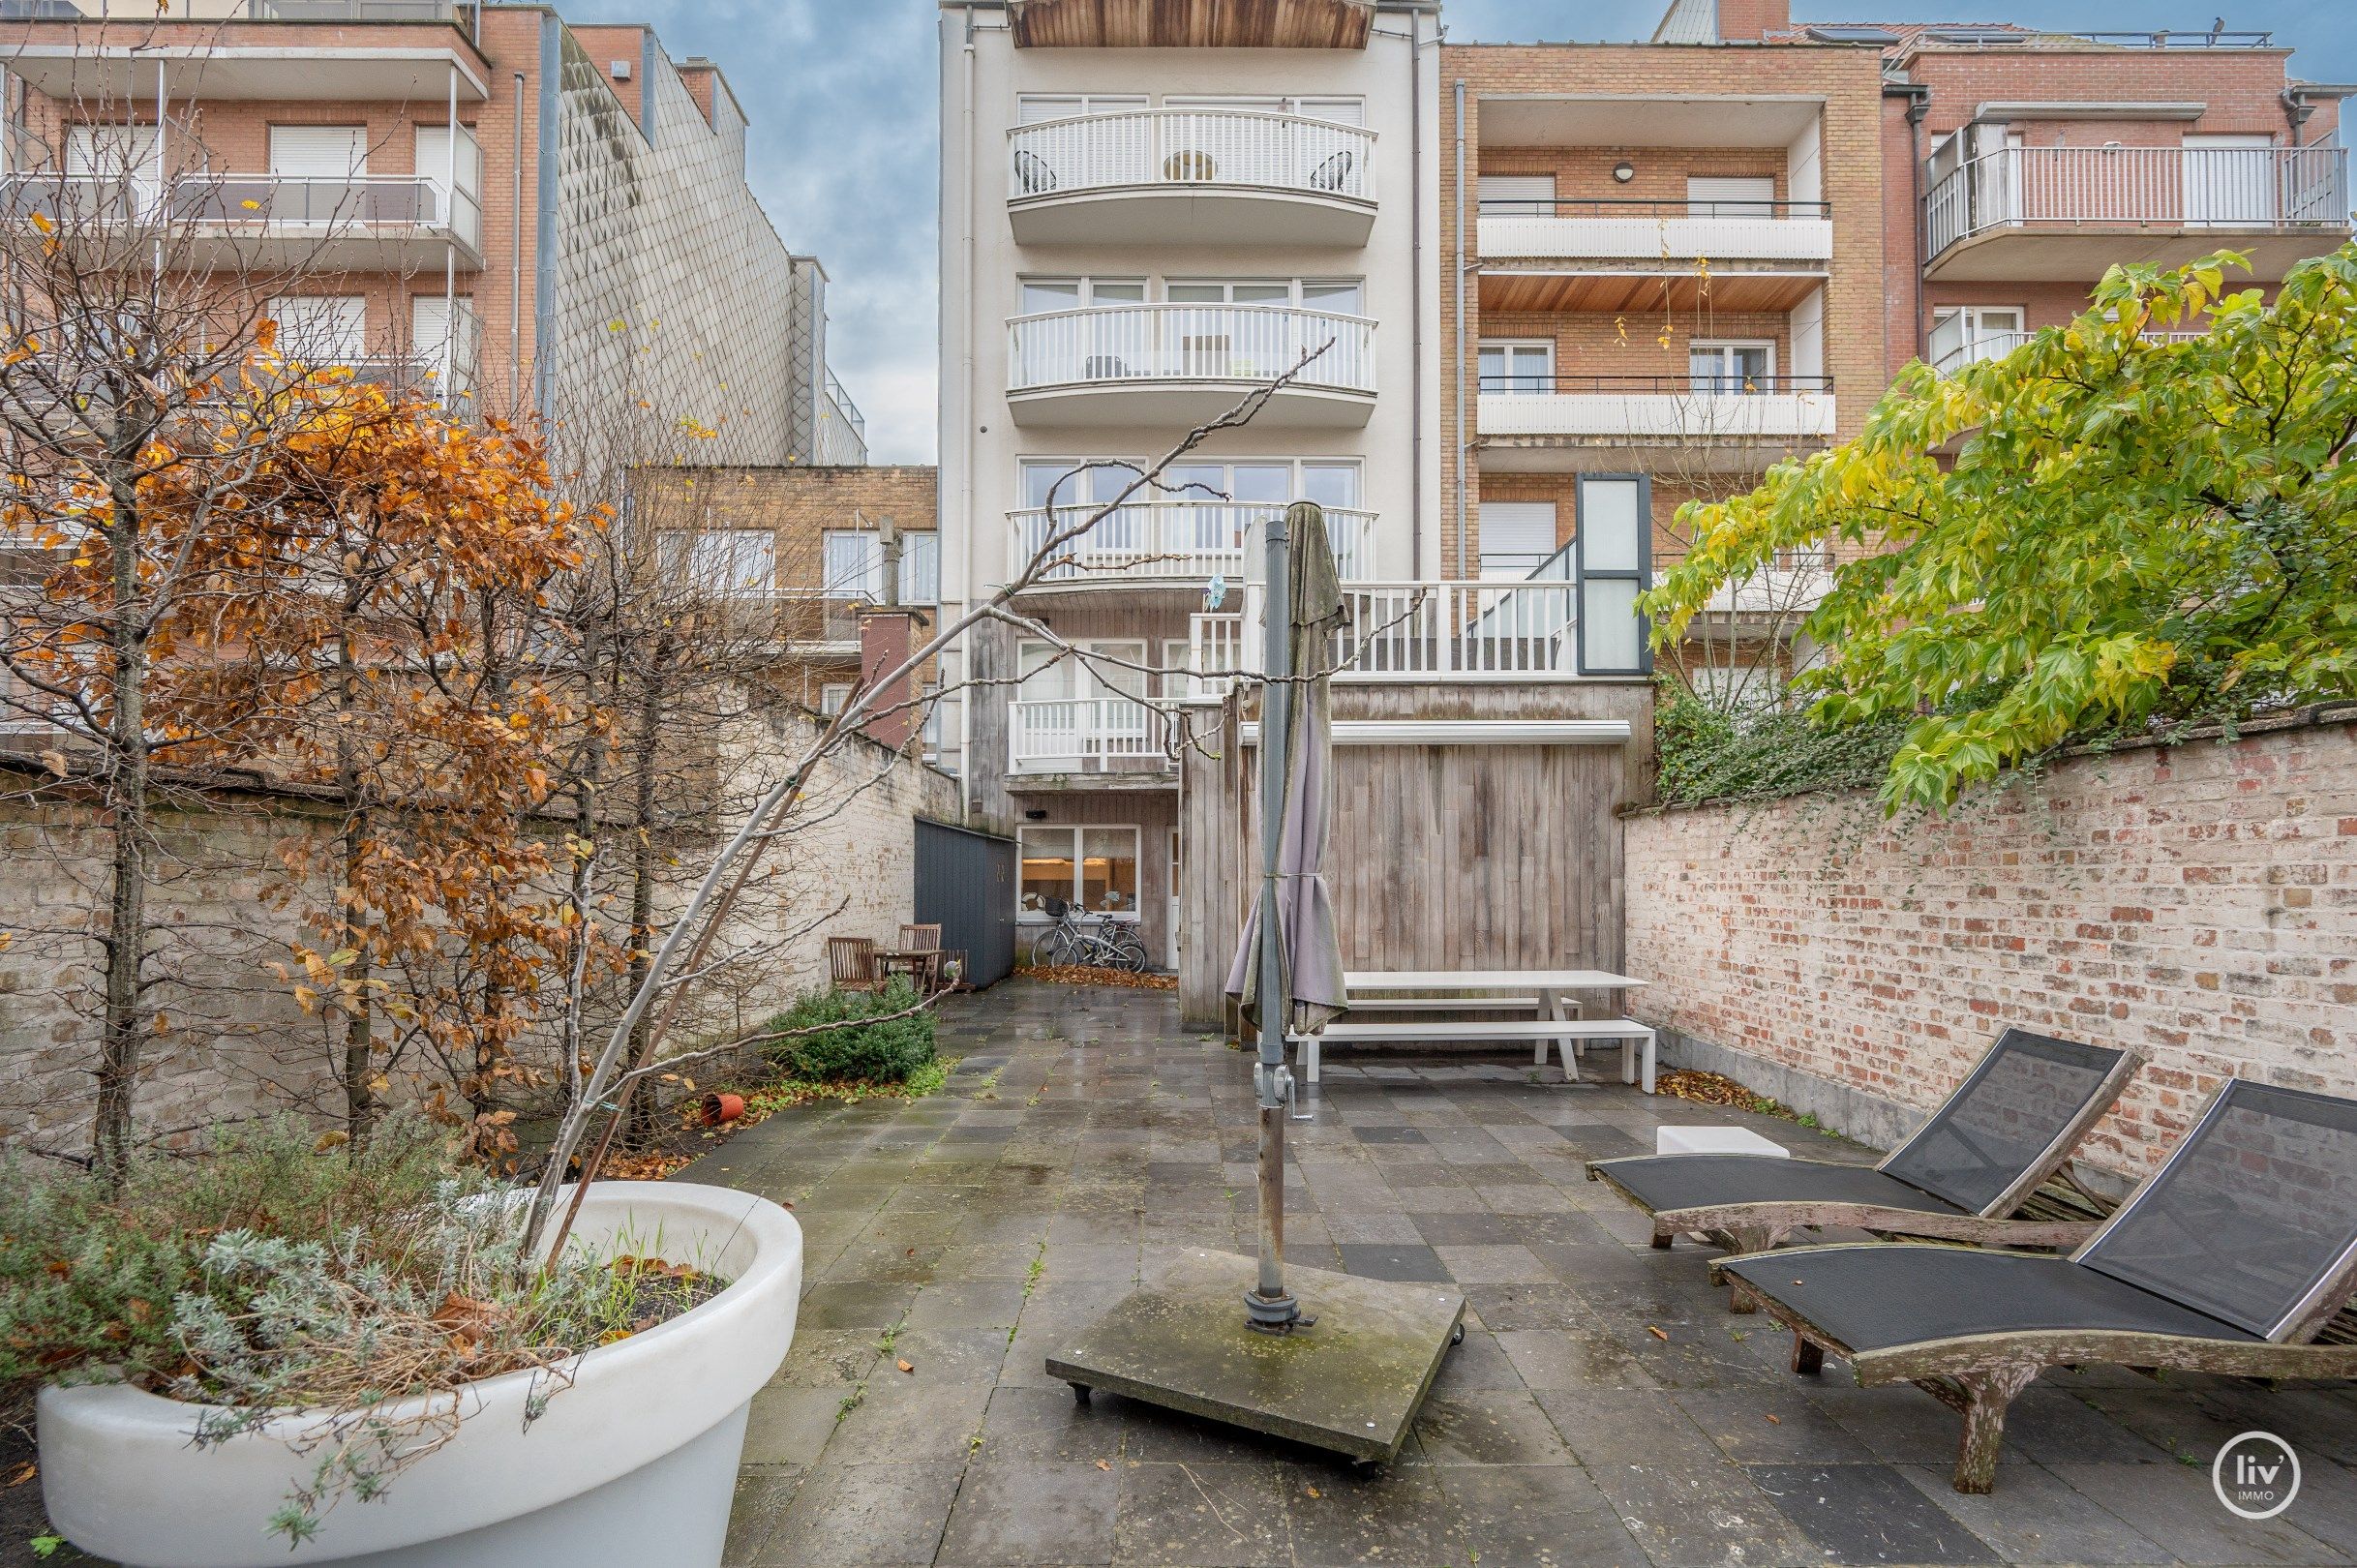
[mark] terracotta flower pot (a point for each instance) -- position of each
(719, 1109)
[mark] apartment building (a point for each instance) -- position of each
(1146, 212)
(535, 214)
(1666, 271)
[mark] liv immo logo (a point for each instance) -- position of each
(2257, 1475)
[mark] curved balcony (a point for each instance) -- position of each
(1191, 177)
(1180, 543)
(1156, 366)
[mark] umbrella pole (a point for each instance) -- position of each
(1269, 1306)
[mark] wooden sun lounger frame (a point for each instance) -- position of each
(1979, 1375)
(1758, 1228)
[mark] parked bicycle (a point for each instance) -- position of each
(1110, 944)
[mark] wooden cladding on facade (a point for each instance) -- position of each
(1444, 855)
(1130, 24)
(1508, 289)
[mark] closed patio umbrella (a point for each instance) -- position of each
(1287, 973)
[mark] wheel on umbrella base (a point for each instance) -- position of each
(1457, 1335)
(1080, 1393)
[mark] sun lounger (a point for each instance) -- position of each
(2230, 1258)
(2008, 1127)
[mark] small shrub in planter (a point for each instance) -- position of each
(870, 1047)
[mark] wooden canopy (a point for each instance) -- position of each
(1506, 290)
(1126, 24)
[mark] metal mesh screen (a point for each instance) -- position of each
(1994, 1127)
(2256, 1208)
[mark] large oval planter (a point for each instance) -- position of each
(634, 1464)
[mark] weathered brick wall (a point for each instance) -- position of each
(2197, 904)
(232, 1045)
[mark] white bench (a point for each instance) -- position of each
(1562, 1032)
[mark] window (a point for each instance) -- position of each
(1747, 196)
(1339, 110)
(1042, 295)
(1093, 867)
(1515, 539)
(1962, 334)
(851, 565)
(321, 329)
(1341, 295)
(1518, 367)
(434, 160)
(442, 335)
(921, 568)
(833, 697)
(318, 152)
(1730, 367)
(1613, 551)
(1516, 195)
(723, 560)
(1033, 108)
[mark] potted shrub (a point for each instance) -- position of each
(620, 1450)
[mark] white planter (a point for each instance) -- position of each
(635, 1464)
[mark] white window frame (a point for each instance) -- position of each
(1087, 286)
(1079, 831)
(1724, 347)
(1503, 572)
(1307, 106)
(1977, 340)
(862, 580)
(833, 697)
(730, 561)
(920, 566)
(1083, 106)
(1513, 349)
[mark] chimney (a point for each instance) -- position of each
(1748, 21)
(887, 633)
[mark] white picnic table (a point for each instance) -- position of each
(1542, 990)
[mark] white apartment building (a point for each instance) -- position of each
(1145, 212)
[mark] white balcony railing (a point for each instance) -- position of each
(1417, 631)
(2170, 187)
(339, 207)
(1190, 147)
(1658, 408)
(1175, 541)
(1148, 344)
(1608, 230)
(1083, 734)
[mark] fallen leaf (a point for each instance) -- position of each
(1656, 1332)
(1104, 1464)
(24, 1476)
(1312, 1490)
(1775, 1421)
(904, 1366)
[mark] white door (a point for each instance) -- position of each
(1730, 196)
(1516, 195)
(321, 329)
(2229, 181)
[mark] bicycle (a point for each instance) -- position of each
(1113, 945)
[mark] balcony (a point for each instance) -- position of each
(1191, 177)
(388, 223)
(1449, 631)
(406, 51)
(1593, 253)
(1165, 366)
(1549, 410)
(1179, 544)
(1105, 736)
(2065, 214)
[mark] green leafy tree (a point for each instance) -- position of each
(2117, 524)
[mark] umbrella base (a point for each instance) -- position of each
(1352, 1384)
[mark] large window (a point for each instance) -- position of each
(1518, 367)
(1093, 867)
(1614, 550)
(1962, 334)
(723, 560)
(852, 565)
(1730, 367)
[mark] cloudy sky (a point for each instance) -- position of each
(843, 94)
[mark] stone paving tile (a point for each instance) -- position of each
(978, 1231)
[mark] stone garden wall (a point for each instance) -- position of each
(2197, 903)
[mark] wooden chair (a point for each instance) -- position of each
(851, 964)
(921, 938)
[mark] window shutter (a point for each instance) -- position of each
(1725, 196)
(1518, 196)
(326, 328)
(1516, 536)
(324, 152)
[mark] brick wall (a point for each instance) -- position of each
(233, 1045)
(2197, 904)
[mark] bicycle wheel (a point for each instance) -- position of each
(1057, 948)
(1132, 953)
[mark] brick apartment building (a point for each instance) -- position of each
(541, 215)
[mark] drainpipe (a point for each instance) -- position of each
(449, 365)
(1464, 448)
(1415, 317)
(966, 413)
(515, 259)
(1919, 105)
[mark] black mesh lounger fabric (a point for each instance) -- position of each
(2252, 1214)
(2003, 1118)
(1872, 1297)
(1688, 1181)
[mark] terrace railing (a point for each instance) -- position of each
(1146, 344)
(1190, 147)
(1179, 540)
(2175, 187)
(1069, 735)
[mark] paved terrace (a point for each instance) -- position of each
(1084, 1132)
